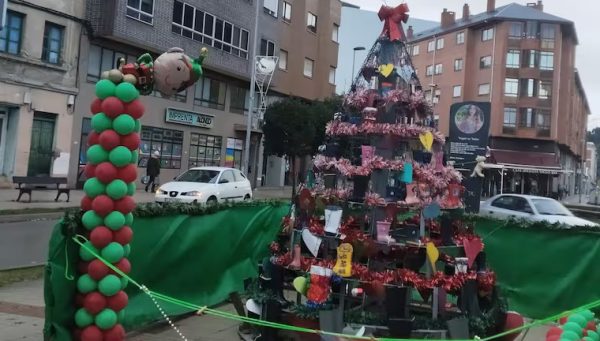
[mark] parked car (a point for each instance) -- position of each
(206, 185)
(529, 207)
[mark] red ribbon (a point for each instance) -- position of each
(392, 16)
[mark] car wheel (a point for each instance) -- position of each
(247, 197)
(212, 201)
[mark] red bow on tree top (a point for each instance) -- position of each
(392, 17)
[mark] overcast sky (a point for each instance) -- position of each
(583, 12)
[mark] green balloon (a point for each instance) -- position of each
(101, 122)
(109, 285)
(127, 250)
(134, 157)
(90, 220)
(86, 284)
(587, 338)
(131, 188)
(93, 187)
(106, 319)
(127, 92)
(121, 315)
(124, 124)
(85, 254)
(117, 189)
(129, 219)
(114, 220)
(120, 156)
(124, 282)
(579, 319)
(574, 327)
(113, 252)
(96, 154)
(105, 88)
(83, 318)
(588, 314)
(569, 335)
(138, 126)
(593, 335)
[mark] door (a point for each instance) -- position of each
(3, 120)
(227, 186)
(42, 141)
(242, 184)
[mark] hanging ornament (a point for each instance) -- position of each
(427, 140)
(343, 266)
(392, 16)
(386, 70)
(432, 254)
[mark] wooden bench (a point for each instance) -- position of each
(25, 184)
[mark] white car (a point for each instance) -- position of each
(206, 185)
(529, 207)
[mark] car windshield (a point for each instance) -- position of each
(550, 207)
(199, 175)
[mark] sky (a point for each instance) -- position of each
(584, 13)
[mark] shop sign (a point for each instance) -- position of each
(189, 118)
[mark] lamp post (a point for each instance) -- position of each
(246, 163)
(358, 48)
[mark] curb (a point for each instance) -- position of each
(25, 216)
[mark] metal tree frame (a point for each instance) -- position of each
(263, 82)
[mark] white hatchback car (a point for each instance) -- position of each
(529, 207)
(206, 185)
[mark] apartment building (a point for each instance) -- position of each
(522, 60)
(299, 32)
(39, 51)
(591, 166)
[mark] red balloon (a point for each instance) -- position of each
(124, 265)
(93, 138)
(123, 235)
(79, 299)
(109, 139)
(86, 203)
(116, 333)
(554, 331)
(97, 270)
(128, 173)
(89, 170)
(563, 320)
(117, 301)
(82, 267)
(92, 333)
(101, 236)
(591, 326)
(96, 106)
(513, 320)
(106, 172)
(112, 107)
(131, 141)
(135, 109)
(103, 205)
(125, 205)
(94, 302)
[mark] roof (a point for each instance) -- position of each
(525, 159)
(218, 169)
(511, 11)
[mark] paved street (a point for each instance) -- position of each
(24, 243)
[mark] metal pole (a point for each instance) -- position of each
(353, 61)
(246, 163)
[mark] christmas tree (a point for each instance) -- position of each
(375, 236)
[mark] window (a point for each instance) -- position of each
(166, 141)
(287, 11)
(545, 90)
(456, 91)
(233, 156)
(102, 59)
(431, 46)
(53, 37)
(227, 177)
(527, 118)
(543, 122)
(439, 68)
(532, 29)
(267, 48)
(415, 50)
(440, 43)
(311, 22)
(239, 101)
(283, 57)
(513, 59)
(510, 119)
(487, 34)
(11, 34)
(528, 86)
(531, 58)
(516, 30)
(335, 32)
(142, 10)
(205, 150)
(513, 203)
(309, 64)
(548, 35)
(331, 75)
(485, 62)
(239, 176)
(460, 38)
(203, 27)
(429, 70)
(210, 93)
(180, 96)
(511, 87)
(458, 64)
(270, 7)
(484, 89)
(547, 61)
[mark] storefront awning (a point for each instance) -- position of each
(525, 162)
(242, 127)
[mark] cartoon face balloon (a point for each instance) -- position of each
(174, 71)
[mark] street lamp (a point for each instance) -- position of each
(358, 48)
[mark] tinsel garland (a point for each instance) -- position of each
(362, 97)
(411, 131)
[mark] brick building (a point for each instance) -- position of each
(522, 60)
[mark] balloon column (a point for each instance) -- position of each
(111, 172)
(578, 326)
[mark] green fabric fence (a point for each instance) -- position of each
(199, 259)
(542, 271)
